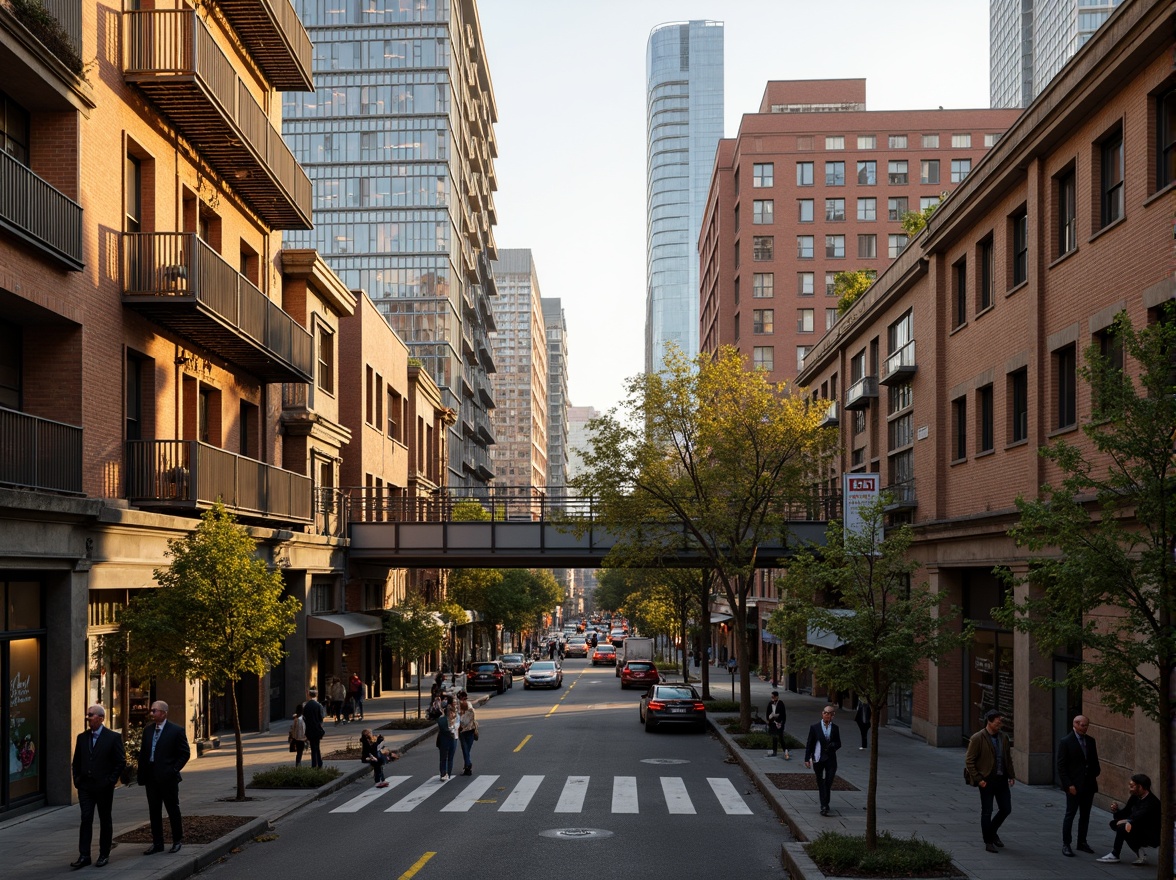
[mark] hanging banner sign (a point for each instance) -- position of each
(858, 491)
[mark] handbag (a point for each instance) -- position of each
(475, 730)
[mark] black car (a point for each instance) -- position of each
(672, 704)
(489, 674)
(516, 664)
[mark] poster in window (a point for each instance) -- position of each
(24, 718)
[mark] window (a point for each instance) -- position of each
(867, 210)
(867, 246)
(834, 210)
(867, 173)
(991, 138)
(985, 426)
(737, 218)
(736, 255)
(14, 129)
(930, 142)
(804, 283)
(961, 141)
(804, 142)
(900, 397)
(133, 400)
(834, 174)
(1065, 364)
(369, 413)
(762, 247)
(1166, 138)
(835, 246)
(804, 320)
(1020, 248)
(901, 431)
(830, 284)
(987, 259)
(926, 202)
(830, 318)
(134, 195)
(762, 211)
(897, 141)
(763, 358)
(959, 429)
(960, 298)
(762, 285)
(804, 173)
(736, 325)
(929, 171)
(804, 247)
(897, 244)
(1018, 384)
(1067, 213)
(867, 142)
(736, 296)
(834, 142)
(326, 360)
(896, 207)
(1110, 346)
(762, 174)
(804, 210)
(763, 320)
(960, 169)
(896, 172)
(801, 353)
(1112, 179)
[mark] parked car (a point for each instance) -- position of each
(577, 647)
(543, 674)
(604, 655)
(671, 704)
(516, 664)
(639, 673)
(489, 674)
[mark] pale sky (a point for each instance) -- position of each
(569, 82)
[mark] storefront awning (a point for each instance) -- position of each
(720, 618)
(821, 638)
(342, 626)
(770, 639)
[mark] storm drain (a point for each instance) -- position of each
(576, 833)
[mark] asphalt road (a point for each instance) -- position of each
(563, 780)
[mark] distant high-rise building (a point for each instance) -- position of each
(684, 122)
(520, 384)
(1030, 40)
(399, 142)
(578, 436)
(557, 395)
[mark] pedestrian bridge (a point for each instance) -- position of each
(530, 528)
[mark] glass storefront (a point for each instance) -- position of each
(22, 714)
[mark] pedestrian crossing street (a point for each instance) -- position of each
(670, 794)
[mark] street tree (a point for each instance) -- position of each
(412, 630)
(709, 458)
(856, 593)
(511, 598)
(217, 615)
(1104, 576)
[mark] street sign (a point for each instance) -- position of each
(858, 491)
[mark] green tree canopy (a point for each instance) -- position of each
(848, 286)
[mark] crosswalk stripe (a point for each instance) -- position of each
(518, 799)
(415, 798)
(358, 802)
(469, 795)
(571, 799)
(624, 797)
(730, 800)
(677, 800)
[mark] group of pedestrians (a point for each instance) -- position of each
(99, 762)
(458, 723)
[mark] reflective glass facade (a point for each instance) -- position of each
(398, 141)
(684, 122)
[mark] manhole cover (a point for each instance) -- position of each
(664, 761)
(576, 833)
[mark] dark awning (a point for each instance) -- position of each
(342, 626)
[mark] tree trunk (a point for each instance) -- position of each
(1166, 783)
(704, 635)
(240, 744)
(872, 785)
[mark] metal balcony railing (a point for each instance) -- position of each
(38, 213)
(40, 454)
(902, 495)
(195, 475)
(831, 418)
(900, 366)
(181, 283)
(860, 393)
(276, 38)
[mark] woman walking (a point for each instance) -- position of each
(298, 739)
(467, 730)
(370, 753)
(447, 740)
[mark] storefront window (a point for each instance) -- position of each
(22, 714)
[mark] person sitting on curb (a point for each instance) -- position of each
(1138, 822)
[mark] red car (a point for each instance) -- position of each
(639, 673)
(604, 655)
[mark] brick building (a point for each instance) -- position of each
(960, 364)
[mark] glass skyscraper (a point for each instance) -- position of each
(398, 140)
(684, 122)
(1031, 40)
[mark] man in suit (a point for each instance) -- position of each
(162, 755)
(988, 765)
(98, 762)
(1078, 771)
(777, 717)
(820, 753)
(313, 715)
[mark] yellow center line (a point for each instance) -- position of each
(420, 863)
(526, 739)
(552, 712)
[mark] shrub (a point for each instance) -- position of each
(295, 777)
(46, 28)
(847, 854)
(722, 705)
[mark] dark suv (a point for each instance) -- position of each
(488, 674)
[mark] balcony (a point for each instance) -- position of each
(190, 475)
(276, 39)
(171, 56)
(40, 454)
(831, 419)
(860, 393)
(902, 495)
(180, 283)
(900, 366)
(33, 210)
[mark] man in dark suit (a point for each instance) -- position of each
(820, 753)
(1078, 771)
(312, 716)
(777, 718)
(98, 762)
(162, 755)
